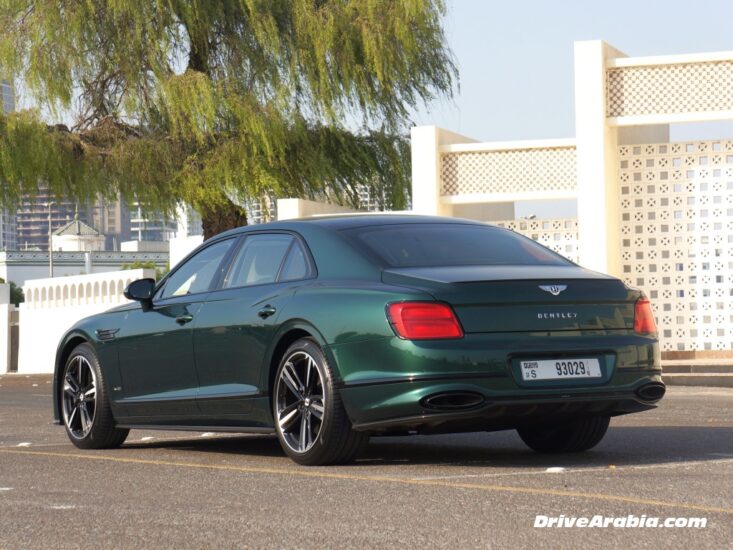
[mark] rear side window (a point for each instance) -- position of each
(258, 261)
(296, 265)
(435, 244)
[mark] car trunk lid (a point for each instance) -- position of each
(525, 298)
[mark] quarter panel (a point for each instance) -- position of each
(348, 311)
(338, 312)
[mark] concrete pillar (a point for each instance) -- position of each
(599, 234)
(425, 146)
(5, 308)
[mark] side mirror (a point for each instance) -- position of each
(141, 291)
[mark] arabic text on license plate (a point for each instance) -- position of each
(553, 369)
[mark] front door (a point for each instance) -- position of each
(156, 346)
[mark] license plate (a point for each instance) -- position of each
(559, 369)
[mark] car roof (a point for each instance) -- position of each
(348, 221)
(365, 220)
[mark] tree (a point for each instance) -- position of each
(214, 102)
(149, 264)
(16, 293)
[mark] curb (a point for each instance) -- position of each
(710, 379)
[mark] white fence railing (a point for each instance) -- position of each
(520, 170)
(673, 88)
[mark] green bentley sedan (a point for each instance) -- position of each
(330, 330)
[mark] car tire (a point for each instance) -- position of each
(572, 437)
(85, 406)
(303, 391)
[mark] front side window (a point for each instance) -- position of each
(258, 261)
(199, 272)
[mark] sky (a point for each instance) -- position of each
(516, 59)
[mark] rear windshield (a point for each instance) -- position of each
(436, 244)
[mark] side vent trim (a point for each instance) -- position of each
(107, 333)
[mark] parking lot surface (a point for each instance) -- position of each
(176, 489)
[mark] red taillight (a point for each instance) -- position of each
(424, 321)
(644, 318)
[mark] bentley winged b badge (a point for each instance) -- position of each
(553, 289)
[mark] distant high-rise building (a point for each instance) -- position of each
(146, 225)
(260, 210)
(375, 200)
(32, 218)
(8, 96)
(8, 234)
(112, 219)
(189, 221)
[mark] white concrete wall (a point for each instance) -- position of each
(485, 212)
(290, 209)
(77, 243)
(52, 306)
(21, 275)
(180, 247)
(144, 246)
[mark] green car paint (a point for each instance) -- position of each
(207, 360)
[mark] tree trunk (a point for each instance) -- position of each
(222, 218)
(225, 214)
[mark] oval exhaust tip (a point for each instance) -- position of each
(452, 401)
(651, 392)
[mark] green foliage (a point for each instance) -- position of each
(16, 292)
(209, 101)
(139, 264)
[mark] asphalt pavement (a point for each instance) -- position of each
(481, 490)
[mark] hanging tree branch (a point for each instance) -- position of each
(207, 101)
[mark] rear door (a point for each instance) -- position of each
(234, 328)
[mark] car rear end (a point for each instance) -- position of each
(528, 338)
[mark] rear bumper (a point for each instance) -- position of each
(388, 385)
(501, 413)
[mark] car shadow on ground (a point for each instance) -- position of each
(622, 446)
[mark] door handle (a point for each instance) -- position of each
(266, 311)
(183, 319)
